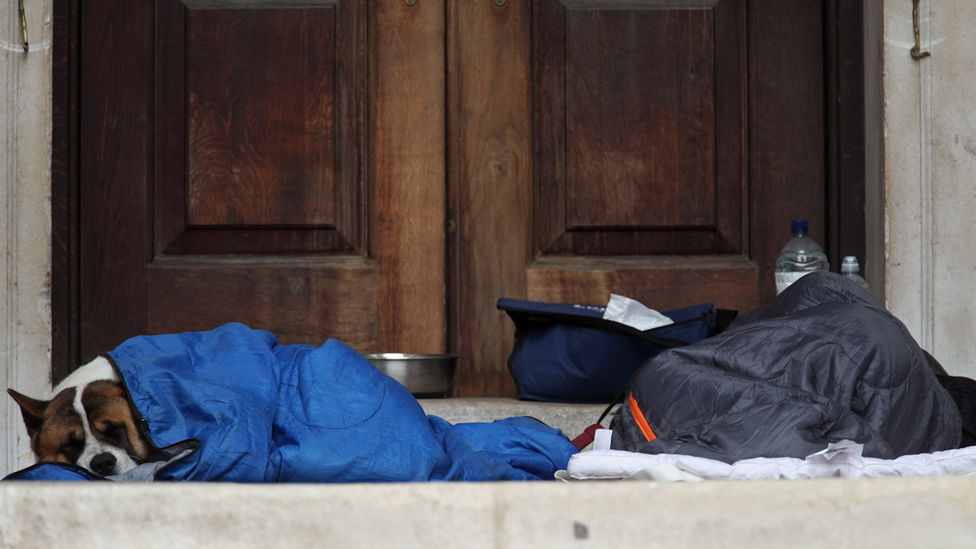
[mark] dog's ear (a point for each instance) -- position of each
(32, 410)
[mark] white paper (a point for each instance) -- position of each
(845, 448)
(632, 313)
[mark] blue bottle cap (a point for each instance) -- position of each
(799, 226)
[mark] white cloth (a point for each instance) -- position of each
(842, 459)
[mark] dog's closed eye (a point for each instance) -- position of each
(72, 449)
(114, 431)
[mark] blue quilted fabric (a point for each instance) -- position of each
(267, 412)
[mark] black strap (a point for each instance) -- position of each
(616, 400)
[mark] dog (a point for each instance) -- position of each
(87, 422)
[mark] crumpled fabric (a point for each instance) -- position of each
(824, 362)
(843, 462)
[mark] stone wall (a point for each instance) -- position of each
(25, 218)
(930, 177)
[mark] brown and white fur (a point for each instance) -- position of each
(86, 421)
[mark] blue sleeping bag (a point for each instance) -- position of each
(234, 405)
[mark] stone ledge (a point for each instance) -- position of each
(886, 513)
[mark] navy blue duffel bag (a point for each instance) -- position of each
(570, 353)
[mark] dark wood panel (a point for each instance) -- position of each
(706, 241)
(65, 343)
(407, 174)
(114, 149)
(846, 54)
(731, 127)
(549, 151)
(640, 120)
(133, 119)
(492, 205)
(260, 129)
(261, 136)
(299, 300)
(639, 128)
(786, 121)
(659, 283)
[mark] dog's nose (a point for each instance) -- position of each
(103, 464)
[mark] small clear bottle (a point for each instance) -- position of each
(851, 269)
(801, 256)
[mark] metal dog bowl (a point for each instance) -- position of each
(426, 376)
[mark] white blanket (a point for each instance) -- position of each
(842, 459)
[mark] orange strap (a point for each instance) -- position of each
(640, 419)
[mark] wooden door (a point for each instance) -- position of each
(331, 169)
(275, 164)
(656, 149)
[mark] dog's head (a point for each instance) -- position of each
(88, 422)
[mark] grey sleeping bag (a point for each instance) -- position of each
(822, 363)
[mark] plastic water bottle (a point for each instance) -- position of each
(851, 269)
(801, 256)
